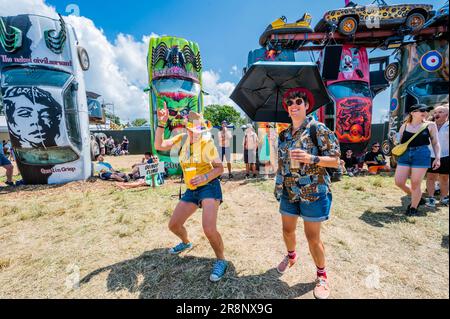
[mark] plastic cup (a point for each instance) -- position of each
(190, 173)
(294, 163)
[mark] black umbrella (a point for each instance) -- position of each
(260, 91)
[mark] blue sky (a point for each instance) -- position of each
(226, 30)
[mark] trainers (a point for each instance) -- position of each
(322, 289)
(444, 201)
(10, 183)
(230, 176)
(350, 174)
(411, 211)
(285, 264)
(180, 248)
(218, 271)
(422, 202)
(247, 176)
(431, 202)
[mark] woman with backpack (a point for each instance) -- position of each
(417, 134)
(305, 150)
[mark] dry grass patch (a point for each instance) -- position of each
(115, 242)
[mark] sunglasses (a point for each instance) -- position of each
(376, 146)
(297, 102)
(420, 111)
(183, 113)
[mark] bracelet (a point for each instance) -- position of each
(207, 177)
(315, 159)
(161, 126)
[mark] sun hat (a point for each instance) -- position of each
(197, 124)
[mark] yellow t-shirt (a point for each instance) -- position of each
(198, 156)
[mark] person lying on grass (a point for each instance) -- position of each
(107, 172)
(201, 165)
(148, 158)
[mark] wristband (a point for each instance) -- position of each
(162, 124)
(207, 177)
(315, 159)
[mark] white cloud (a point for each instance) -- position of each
(234, 70)
(118, 70)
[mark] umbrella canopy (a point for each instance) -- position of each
(260, 91)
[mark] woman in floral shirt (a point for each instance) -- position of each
(302, 182)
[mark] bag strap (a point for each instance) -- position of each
(183, 141)
(313, 130)
(423, 128)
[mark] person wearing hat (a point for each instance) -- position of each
(225, 138)
(303, 183)
(415, 162)
(201, 167)
(440, 117)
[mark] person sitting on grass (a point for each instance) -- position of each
(376, 161)
(108, 173)
(351, 163)
(6, 164)
(148, 158)
(141, 181)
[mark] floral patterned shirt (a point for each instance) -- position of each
(308, 182)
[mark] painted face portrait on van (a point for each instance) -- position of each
(33, 116)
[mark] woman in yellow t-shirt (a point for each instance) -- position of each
(201, 167)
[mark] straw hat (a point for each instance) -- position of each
(197, 124)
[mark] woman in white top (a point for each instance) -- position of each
(440, 115)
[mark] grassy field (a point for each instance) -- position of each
(91, 240)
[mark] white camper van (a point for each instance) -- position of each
(44, 98)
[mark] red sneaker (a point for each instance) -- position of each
(286, 263)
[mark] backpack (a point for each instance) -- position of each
(334, 173)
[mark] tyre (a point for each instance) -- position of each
(392, 71)
(386, 148)
(83, 57)
(348, 26)
(415, 21)
(95, 150)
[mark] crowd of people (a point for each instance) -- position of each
(107, 146)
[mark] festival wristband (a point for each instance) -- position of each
(315, 159)
(207, 177)
(162, 124)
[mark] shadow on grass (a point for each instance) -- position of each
(393, 215)
(444, 243)
(157, 275)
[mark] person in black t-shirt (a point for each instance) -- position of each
(376, 161)
(351, 163)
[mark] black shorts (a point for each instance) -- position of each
(250, 156)
(445, 166)
(225, 152)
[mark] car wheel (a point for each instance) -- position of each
(392, 71)
(95, 150)
(415, 21)
(348, 26)
(386, 148)
(84, 59)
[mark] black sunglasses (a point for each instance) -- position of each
(297, 102)
(421, 111)
(376, 146)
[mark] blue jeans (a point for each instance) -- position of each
(316, 212)
(212, 190)
(416, 157)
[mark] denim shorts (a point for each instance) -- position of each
(106, 176)
(212, 190)
(416, 157)
(316, 212)
(4, 161)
